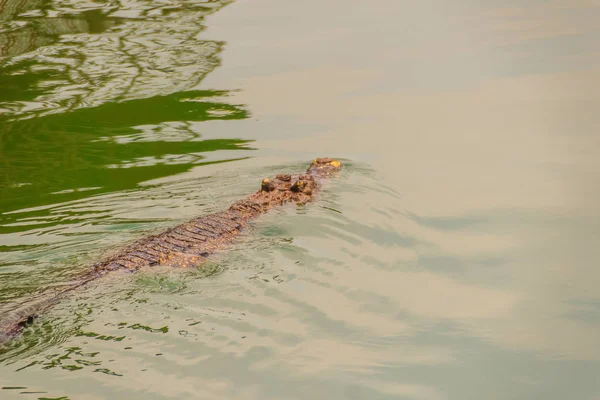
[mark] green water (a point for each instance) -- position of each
(454, 258)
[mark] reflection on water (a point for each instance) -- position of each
(98, 99)
(38, 30)
(101, 54)
(455, 257)
(114, 146)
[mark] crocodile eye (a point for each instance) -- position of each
(298, 186)
(267, 185)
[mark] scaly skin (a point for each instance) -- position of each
(188, 244)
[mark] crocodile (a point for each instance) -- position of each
(185, 245)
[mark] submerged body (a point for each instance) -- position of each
(188, 244)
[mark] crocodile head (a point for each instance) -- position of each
(284, 183)
(286, 188)
(324, 166)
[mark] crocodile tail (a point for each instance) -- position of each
(15, 319)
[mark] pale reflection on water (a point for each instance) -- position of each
(455, 257)
(148, 49)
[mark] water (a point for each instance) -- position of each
(454, 258)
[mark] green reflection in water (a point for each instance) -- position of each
(52, 157)
(92, 102)
(15, 86)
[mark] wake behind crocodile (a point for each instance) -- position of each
(185, 245)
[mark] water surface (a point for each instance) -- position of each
(454, 258)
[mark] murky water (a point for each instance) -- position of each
(454, 258)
